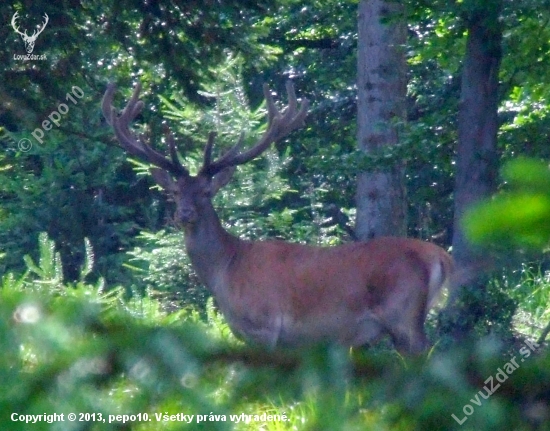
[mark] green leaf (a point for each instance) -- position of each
(511, 218)
(88, 259)
(527, 173)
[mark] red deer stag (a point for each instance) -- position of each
(277, 293)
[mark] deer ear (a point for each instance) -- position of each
(221, 179)
(163, 179)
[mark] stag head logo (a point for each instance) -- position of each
(29, 40)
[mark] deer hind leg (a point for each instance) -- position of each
(405, 313)
(410, 341)
(407, 331)
(370, 330)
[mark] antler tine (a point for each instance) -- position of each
(212, 168)
(279, 125)
(272, 111)
(234, 150)
(208, 151)
(138, 147)
(14, 24)
(173, 151)
(107, 103)
(40, 30)
(133, 106)
(290, 113)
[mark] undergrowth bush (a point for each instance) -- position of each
(76, 348)
(73, 347)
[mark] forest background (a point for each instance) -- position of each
(100, 310)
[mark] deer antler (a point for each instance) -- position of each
(25, 35)
(37, 32)
(14, 24)
(138, 147)
(280, 124)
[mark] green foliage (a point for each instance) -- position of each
(519, 216)
(529, 287)
(72, 344)
(484, 309)
(49, 268)
(163, 268)
(67, 190)
(73, 349)
(75, 183)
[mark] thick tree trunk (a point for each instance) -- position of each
(476, 162)
(381, 86)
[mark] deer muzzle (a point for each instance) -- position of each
(186, 216)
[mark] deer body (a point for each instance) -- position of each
(276, 293)
(280, 294)
(283, 294)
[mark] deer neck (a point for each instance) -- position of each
(210, 247)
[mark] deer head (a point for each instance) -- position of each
(29, 40)
(193, 194)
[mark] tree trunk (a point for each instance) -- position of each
(476, 162)
(381, 87)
